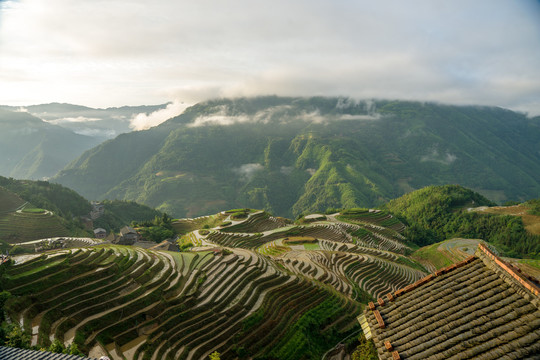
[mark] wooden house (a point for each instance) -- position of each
(100, 233)
(128, 236)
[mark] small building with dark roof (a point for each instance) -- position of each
(100, 233)
(480, 308)
(128, 236)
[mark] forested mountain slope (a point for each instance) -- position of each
(32, 210)
(437, 213)
(292, 155)
(34, 149)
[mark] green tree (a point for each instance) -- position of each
(16, 337)
(57, 347)
(73, 349)
(365, 350)
(214, 356)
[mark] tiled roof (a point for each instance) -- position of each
(481, 308)
(127, 230)
(9, 353)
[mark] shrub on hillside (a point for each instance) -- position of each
(365, 350)
(534, 206)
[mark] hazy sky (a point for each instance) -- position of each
(115, 52)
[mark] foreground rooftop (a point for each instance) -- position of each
(9, 353)
(480, 308)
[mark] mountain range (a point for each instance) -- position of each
(295, 155)
(38, 141)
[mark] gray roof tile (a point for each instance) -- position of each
(480, 308)
(9, 353)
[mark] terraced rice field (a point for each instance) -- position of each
(258, 222)
(275, 287)
(9, 202)
(436, 256)
(140, 304)
(376, 217)
(338, 258)
(17, 227)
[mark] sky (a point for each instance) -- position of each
(104, 53)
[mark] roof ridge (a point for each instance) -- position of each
(422, 281)
(471, 300)
(522, 279)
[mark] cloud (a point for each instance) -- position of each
(105, 133)
(220, 117)
(247, 171)
(226, 115)
(376, 116)
(434, 156)
(117, 52)
(7, 4)
(217, 119)
(78, 119)
(286, 170)
(145, 121)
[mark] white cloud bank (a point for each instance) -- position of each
(221, 115)
(67, 120)
(118, 52)
(145, 121)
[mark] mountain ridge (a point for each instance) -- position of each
(33, 148)
(290, 155)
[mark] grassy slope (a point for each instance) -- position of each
(9, 201)
(21, 227)
(445, 253)
(438, 213)
(16, 227)
(53, 197)
(63, 206)
(531, 222)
